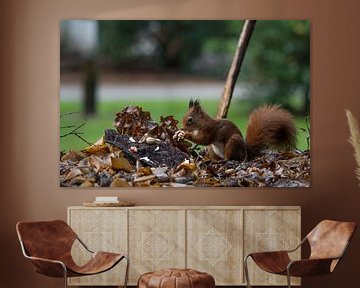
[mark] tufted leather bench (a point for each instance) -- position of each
(176, 278)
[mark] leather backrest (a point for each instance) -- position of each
(329, 238)
(47, 239)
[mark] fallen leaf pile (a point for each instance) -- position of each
(143, 153)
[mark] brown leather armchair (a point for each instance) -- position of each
(48, 245)
(328, 242)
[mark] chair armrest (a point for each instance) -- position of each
(46, 260)
(309, 267)
(281, 251)
(49, 267)
(298, 246)
(271, 261)
(84, 245)
(269, 253)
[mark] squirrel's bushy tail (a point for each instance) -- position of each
(270, 127)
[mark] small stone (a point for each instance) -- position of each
(161, 174)
(182, 180)
(105, 180)
(231, 182)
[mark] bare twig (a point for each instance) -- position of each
(87, 142)
(66, 127)
(75, 129)
(68, 114)
(244, 39)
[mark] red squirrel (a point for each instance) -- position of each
(269, 127)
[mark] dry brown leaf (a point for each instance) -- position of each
(100, 147)
(114, 150)
(187, 166)
(133, 121)
(79, 179)
(101, 141)
(120, 164)
(73, 155)
(73, 173)
(96, 149)
(87, 184)
(98, 163)
(144, 178)
(117, 182)
(180, 173)
(207, 181)
(144, 171)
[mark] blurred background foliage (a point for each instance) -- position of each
(276, 68)
(277, 63)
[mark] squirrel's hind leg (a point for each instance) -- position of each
(212, 154)
(235, 148)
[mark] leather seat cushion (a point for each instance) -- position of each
(176, 278)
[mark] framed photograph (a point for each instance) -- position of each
(184, 103)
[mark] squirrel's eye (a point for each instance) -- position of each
(189, 120)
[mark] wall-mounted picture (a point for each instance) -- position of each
(184, 103)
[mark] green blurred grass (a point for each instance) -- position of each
(95, 126)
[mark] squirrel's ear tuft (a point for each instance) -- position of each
(196, 103)
(191, 103)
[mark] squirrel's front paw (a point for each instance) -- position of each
(179, 135)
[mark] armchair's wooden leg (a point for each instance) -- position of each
(246, 270)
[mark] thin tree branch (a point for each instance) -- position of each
(87, 142)
(73, 131)
(65, 127)
(68, 114)
(243, 42)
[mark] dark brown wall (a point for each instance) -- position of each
(29, 91)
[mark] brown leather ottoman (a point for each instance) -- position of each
(176, 278)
